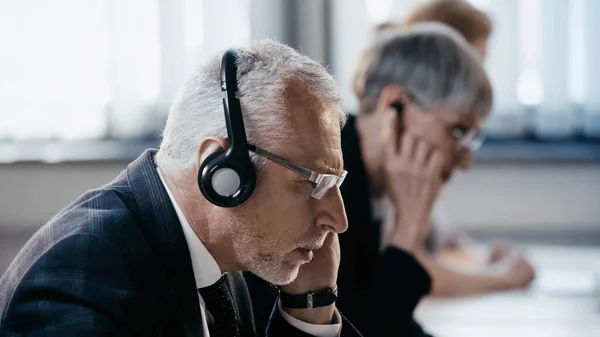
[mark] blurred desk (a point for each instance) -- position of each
(564, 301)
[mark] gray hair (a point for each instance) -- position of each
(264, 70)
(433, 62)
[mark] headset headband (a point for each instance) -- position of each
(236, 133)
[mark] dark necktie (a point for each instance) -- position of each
(219, 305)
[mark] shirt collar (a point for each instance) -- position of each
(205, 267)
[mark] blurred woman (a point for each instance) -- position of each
(446, 245)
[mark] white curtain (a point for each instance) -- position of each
(73, 69)
(543, 60)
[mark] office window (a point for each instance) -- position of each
(92, 69)
(544, 63)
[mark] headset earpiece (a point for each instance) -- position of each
(399, 107)
(224, 182)
(227, 178)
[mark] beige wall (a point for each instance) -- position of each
(30, 194)
(520, 196)
(492, 195)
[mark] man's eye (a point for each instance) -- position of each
(308, 186)
(303, 186)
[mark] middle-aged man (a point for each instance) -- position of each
(159, 250)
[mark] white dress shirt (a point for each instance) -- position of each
(207, 272)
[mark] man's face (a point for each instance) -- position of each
(280, 224)
(437, 129)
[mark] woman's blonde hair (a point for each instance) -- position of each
(469, 21)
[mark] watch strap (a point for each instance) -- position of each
(316, 299)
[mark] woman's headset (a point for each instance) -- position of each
(227, 177)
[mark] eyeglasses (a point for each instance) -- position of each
(323, 182)
(468, 139)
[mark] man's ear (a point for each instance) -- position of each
(207, 147)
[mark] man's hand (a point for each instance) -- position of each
(317, 275)
(414, 178)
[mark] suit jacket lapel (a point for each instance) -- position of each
(164, 232)
(242, 303)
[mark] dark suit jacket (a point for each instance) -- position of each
(114, 263)
(379, 289)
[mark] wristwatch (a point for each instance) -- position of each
(317, 299)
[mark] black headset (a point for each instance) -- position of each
(227, 177)
(399, 107)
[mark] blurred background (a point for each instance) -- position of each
(85, 87)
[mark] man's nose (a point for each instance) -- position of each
(333, 215)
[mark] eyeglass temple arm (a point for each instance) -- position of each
(311, 175)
